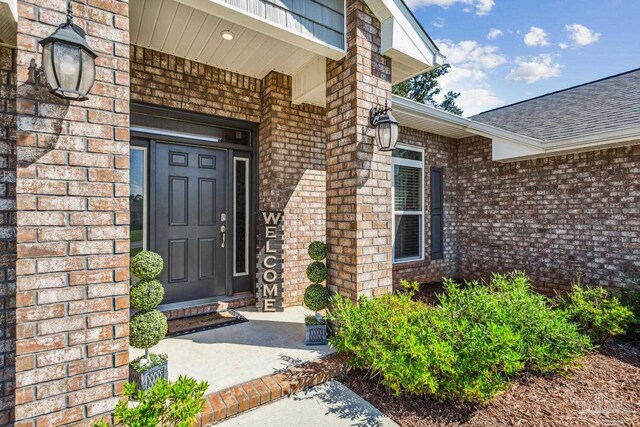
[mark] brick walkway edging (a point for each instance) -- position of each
(243, 397)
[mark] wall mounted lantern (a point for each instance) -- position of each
(68, 62)
(386, 127)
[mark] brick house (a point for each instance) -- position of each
(206, 114)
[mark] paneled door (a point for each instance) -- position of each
(190, 221)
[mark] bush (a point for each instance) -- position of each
(468, 348)
(317, 272)
(146, 295)
(316, 297)
(146, 329)
(630, 298)
(598, 313)
(146, 265)
(317, 251)
(165, 404)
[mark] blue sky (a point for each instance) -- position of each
(504, 51)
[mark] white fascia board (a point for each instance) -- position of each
(238, 16)
(403, 39)
(418, 109)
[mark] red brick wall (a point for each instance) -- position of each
(7, 232)
(287, 132)
(73, 214)
(439, 151)
(358, 174)
(292, 176)
(555, 218)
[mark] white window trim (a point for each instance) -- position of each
(236, 160)
(417, 164)
(145, 193)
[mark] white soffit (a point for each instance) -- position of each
(404, 41)
(8, 19)
(506, 146)
(174, 28)
(309, 85)
(238, 16)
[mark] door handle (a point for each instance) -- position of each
(223, 230)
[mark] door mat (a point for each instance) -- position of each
(204, 322)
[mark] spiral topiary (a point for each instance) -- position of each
(148, 326)
(146, 329)
(146, 265)
(146, 295)
(318, 250)
(316, 297)
(317, 272)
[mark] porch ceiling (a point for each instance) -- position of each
(177, 29)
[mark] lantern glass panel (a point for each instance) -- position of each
(384, 135)
(67, 66)
(88, 73)
(394, 135)
(47, 65)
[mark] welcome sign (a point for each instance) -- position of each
(270, 261)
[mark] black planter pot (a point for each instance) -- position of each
(147, 379)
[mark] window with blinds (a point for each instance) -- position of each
(408, 204)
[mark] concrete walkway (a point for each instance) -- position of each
(330, 404)
(231, 355)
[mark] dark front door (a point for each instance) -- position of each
(190, 215)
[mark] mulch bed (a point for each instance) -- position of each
(604, 392)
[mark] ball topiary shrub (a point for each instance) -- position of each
(146, 329)
(318, 250)
(317, 272)
(146, 265)
(146, 295)
(316, 297)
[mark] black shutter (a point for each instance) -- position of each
(437, 214)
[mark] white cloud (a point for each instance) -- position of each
(471, 54)
(536, 37)
(438, 22)
(581, 35)
(482, 7)
(563, 46)
(471, 63)
(474, 101)
(530, 70)
(494, 33)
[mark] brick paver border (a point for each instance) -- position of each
(243, 397)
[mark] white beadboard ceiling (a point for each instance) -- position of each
(180, 30)
(8, 12)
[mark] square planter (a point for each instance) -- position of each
(147, 379)
(316, 334)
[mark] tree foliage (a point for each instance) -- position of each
(425, 87)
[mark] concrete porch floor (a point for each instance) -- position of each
(227, 356)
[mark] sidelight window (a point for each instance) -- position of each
(241, 222)
(138, 199)
(408, 204)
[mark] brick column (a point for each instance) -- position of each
(358, 174)
(7, 231)
(72, 224)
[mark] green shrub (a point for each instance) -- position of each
(468, 348)
(318, 250)
(317, 272)
(146, 265)
(316, 297)
(630, 298)
(146, 294)
(597, 312)
(165, 404)
(146, 329)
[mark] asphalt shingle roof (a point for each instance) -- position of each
(608, 104)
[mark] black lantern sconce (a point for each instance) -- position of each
(68, 62)
(386, 127)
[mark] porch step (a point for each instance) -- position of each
(243, 397)
(207, 307)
